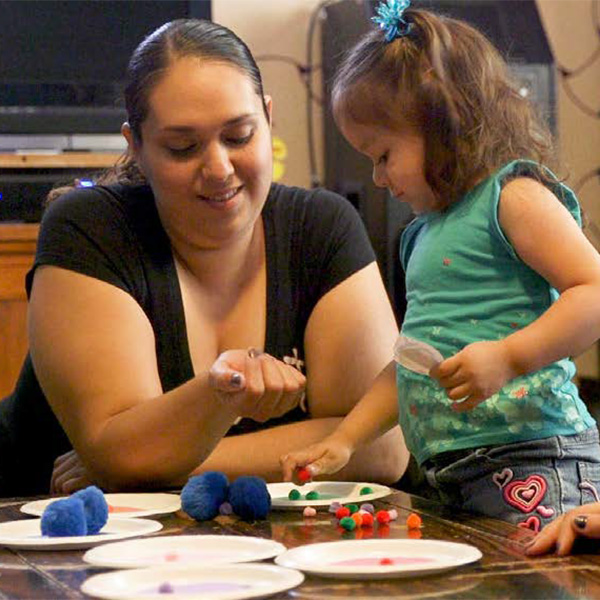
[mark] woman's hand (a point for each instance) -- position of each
(256, 385)
(583, 521)
(69, 474)
(328, 456)
(474, 374)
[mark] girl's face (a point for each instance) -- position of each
(205, 151)
(398, 157)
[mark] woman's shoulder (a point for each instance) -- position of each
(96, 203)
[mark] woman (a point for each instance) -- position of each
(148, 291)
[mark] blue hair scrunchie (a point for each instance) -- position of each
(389, 18)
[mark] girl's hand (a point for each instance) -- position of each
(69, 474)
(474, 374)
(583, 521)
(328, 456)
(256, 385)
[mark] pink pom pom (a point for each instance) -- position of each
(309, 511)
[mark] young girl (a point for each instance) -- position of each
(500, 279)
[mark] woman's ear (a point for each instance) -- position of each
(132, 145)
(128, 135)
(269, 105)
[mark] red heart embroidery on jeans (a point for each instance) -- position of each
(525, 495)
(532, 523)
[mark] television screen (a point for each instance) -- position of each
(63, 61)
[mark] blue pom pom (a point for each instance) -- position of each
(65, 517)
(250, 498)
(203, 494)
(96, 508)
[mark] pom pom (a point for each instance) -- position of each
(250, 498)
(65, 517)
(393, 514)
(357, 518)
(352, 508)
(383, 517)
(165, 588)
(203, 494)
(348, 523)
(413, 521)
(303, 474)
(366, 490)
(309, 511)
(367, 507)
(95, 508)
(313, 495)
(367, 519)
(342, 512)
(225, 509)
(334, 506)
(294, 495)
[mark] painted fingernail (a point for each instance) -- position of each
(253, 352)
(235, 380)
(580, 521)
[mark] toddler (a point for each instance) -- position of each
(500, 279)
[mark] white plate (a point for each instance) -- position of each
(27, 534)
(121, 505)
(345, 492)
(219, 582)
(361, 559)
(415, 355)
(183, 550)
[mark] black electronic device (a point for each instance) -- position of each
(63, 61)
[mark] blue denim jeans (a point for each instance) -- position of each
(526, 483)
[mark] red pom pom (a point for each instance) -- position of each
(386, 561)
(303, 474)
(367, 519)
(382, 517)
(340, 513)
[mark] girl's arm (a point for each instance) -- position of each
(374, 415)
(548, 239)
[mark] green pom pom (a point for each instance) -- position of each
(312, 495)
(352, 508)
(348, 523)
(366, 490)
(294, 495)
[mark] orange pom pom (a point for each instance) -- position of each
(414, 521)
(357, 517)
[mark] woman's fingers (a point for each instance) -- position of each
(69, 474)
(257, 384)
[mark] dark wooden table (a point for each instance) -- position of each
(503, 572)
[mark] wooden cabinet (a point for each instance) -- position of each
(17, 249)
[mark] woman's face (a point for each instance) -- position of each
(205, 151)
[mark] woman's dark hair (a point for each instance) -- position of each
(149, 61)
(447, 79)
